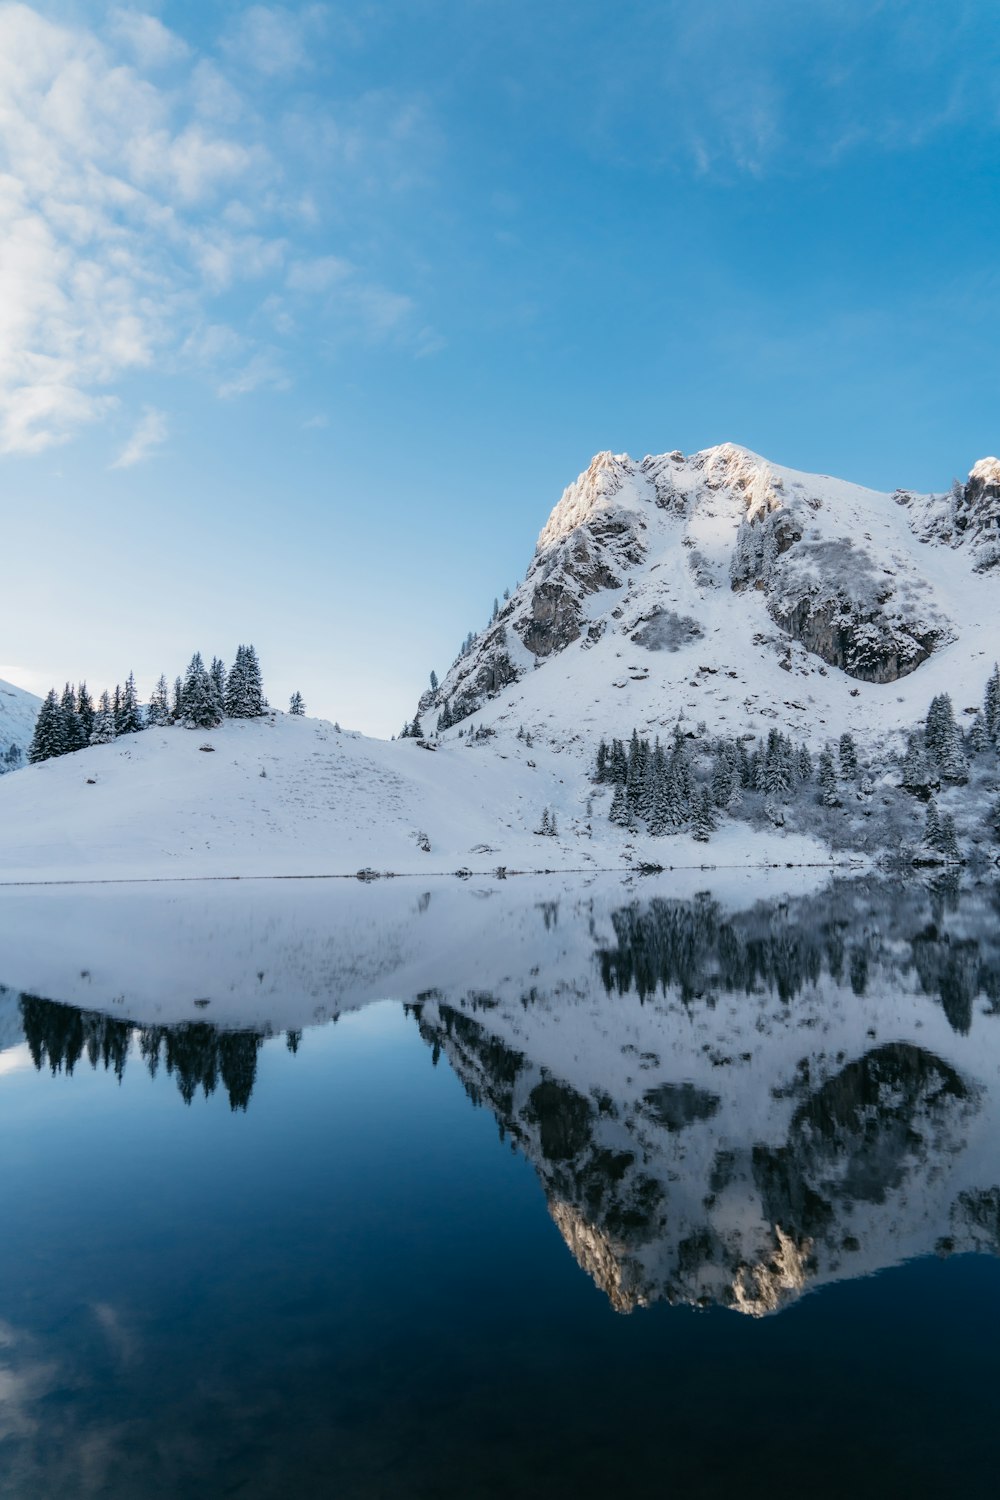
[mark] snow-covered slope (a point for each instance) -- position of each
(295, 796)
(18, 712)
(725, 588)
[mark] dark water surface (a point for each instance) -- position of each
(466, 1247)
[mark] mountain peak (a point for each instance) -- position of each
(726, 588)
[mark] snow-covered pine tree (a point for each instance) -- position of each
(84, 712)
(159, 705)
(943, 740)
(657, 809)
(177, 702)
(103, 732)
(991, 705)
(977, 738)
(296, 705)
(677, 796)
(915, 773)
(848, 757)
(257, 703)
(619, 806)
(217, 672)
(116, 706)
(49, 738)
(416, 728)
(200, 704)
(804, 764)
(72, 729)
(434, 681)
(702, 815)
(129, 713)
(828, 793)
(723, 779)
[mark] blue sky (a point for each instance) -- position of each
(309, 313)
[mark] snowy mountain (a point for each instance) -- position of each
(724, 588)
(730, 611)
(18, 712)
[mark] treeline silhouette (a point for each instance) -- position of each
(701, 950)
(196, 1054)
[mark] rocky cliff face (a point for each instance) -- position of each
(701, 558)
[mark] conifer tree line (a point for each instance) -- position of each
(686, 784)
(693, 779)
(201, 699)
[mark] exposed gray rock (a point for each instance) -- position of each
(666, 631)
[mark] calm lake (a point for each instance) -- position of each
(525, 1188)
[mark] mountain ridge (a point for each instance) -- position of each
(725, 564)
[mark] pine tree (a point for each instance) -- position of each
(848, 758)
(991, 705)
(177, 702)
(702, 815)
(84, 712)
(296, 706)
(103, 731)
(159, 705)
(723, 780)
(200, 705)
(217, 672)
(129, 719)
(244, 693)
(416, 728)
(978, 739)
(434, 681)
(804, 764)
(943, 740)
(71, 727)
(828, 793)
(48, 739)
(932, 827)
(116, 706)
(619, 806)
(916, 774)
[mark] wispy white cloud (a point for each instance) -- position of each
(137, 186)
(150, 433)
(151, 44)
(262, 372)
(273, 39)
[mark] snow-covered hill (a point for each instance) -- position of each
(719, 590)
(725, 588)
(18, 712)
(295, 796)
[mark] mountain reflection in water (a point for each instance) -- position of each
(722, 1107)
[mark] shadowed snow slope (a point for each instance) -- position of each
(287, 796)
(18, 712)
